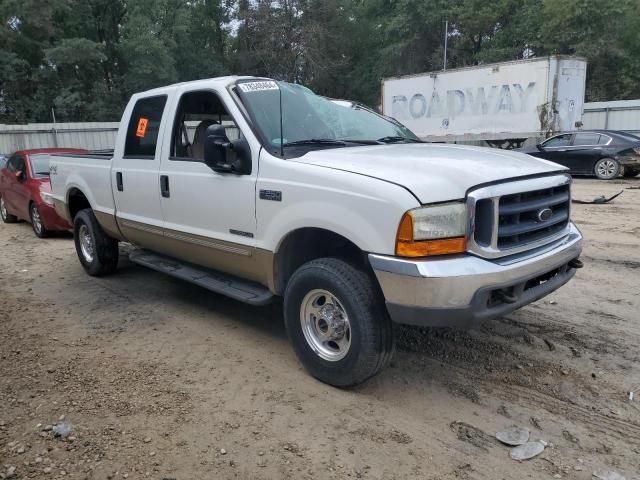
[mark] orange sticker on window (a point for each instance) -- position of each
(142, 127)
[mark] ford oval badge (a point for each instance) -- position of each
(544, 214)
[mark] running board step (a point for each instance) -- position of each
(234, 287)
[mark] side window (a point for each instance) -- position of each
(21, 167)
(16, 164)
(11, 164)
(196, 112)
(586, 139)
(144, 125)
(604, 139)
(559, 141)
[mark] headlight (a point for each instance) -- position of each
(46, 198)
(637, 150)
(433, 230)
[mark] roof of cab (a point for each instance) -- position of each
(205, 82)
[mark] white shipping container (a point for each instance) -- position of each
(502, 101)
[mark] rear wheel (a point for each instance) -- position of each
(97, 251)
(36, 222)
(337, 322)
(6, 216)
(630, 172)
(607, 168)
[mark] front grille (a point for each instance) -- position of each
(518, 216)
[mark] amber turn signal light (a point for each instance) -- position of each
(406, 246)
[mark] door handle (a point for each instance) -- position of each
(164, 186)
(119, 181)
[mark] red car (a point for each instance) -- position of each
(24, 189)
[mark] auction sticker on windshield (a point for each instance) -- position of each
(258, 86)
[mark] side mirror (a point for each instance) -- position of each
(540, 147)
(223, 155)
(19, 175)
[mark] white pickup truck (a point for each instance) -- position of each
(259, 189)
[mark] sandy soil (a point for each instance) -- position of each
(164, 380)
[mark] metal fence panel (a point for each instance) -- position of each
(615, 115)
(88, 135)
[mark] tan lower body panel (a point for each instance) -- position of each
(109, 224)
(232, 258)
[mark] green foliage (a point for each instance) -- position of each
(84, 58)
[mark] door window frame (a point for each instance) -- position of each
(162, 116)
(174, 124)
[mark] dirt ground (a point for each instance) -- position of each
(163, 380)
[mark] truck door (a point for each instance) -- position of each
(209, 217)
(135, 172)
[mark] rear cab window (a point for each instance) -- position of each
(144, 127)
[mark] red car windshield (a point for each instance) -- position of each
(39, 165)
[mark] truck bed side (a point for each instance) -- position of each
(88, 174)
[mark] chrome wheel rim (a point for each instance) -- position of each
(325, 325)
(3, 209)
(607, 168)
(35, 219)
(86, 243)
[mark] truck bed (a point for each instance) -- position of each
(88, 172)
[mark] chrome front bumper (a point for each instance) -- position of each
(460, 290)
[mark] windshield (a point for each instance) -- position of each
(39, 165)
(307, 117)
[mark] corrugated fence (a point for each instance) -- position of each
(92, 136)
(616, 115)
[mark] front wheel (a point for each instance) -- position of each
(36, 222)
(337, 322)
(97, 251)
(6, 216)
(630, 173)
(607, 168)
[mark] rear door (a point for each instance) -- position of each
(585, 150)
(135, 171)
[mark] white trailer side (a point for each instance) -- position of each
(501, 101)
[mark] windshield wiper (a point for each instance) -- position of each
(394, 139)
(315, 141)
(43, 173)
(362, 142)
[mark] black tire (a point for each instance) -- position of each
(630, 173)
(606, 169)
(100, 255)
(371, 331)
(5, 215)
(36, 221)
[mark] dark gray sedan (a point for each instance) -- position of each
(606, 154)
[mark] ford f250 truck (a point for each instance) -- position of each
(257, 189)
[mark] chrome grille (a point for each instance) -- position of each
(513, 217)
(518, 215)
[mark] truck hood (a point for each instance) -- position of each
(432, 172)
